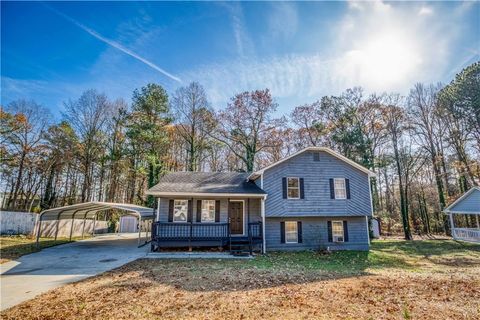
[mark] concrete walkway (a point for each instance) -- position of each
(53, 267)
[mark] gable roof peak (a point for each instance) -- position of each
(257, 173)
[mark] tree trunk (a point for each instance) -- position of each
(18, 181)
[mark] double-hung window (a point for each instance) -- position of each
(180, 211)
(293, 188)
(340, 188)
(337, 231)
(291, 232)
(208, 210)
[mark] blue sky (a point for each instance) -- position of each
(53, 51)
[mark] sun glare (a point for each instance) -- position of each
(383, 61)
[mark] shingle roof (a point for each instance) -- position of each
(206, 182)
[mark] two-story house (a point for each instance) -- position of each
(313, 199)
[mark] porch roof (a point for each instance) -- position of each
(206, 184)
(468, 203)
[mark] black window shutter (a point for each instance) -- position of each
(190, 211)
(199, 210)
(299, 230)
(282, 232)
(316, 156)
(329, 227)
(345, 231)
(284, 187)
(347, 187)
(302, 192)
(332, 189)
(170, 211)
(217, 211)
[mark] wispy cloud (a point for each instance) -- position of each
(115, 45)
(283, 20)
(425, 11)
(373, 48)
(242, 40)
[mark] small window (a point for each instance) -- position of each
(293, 188)
(291, 232)
(208, 210)
(180, 211)
(337, 231)
(340, 191)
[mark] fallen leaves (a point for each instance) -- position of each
(267, 289)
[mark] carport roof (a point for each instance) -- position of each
(88, 210)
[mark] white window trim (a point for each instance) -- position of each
(296, 231)
(344, 188)
(214, 210)
(173, 218)
(298, 180)
(343, 232)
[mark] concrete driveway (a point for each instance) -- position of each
(53, 267)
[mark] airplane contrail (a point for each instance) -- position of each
(114, 44)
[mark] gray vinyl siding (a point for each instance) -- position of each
(255, 214)
(316, 175)
(315, 234)
(469, 204)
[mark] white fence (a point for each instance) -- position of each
(25, 223)
(466, 234)
(17, 222)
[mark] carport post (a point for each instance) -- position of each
(139, 228)
(58, 224)
(94, 220)
(39, 229)
(84, 221)
(73, 220)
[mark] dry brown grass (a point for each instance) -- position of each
(13, 247)
(285, 286)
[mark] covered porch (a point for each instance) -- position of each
(234, 223)
(209, 209)
(464, 216)
(466, 230)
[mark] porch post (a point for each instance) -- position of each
(158, 209)
(478, 222)
(262, 208)
(452, 225)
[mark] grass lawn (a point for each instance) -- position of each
(437, 279)
(12, 247)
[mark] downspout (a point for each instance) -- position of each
(262, 203)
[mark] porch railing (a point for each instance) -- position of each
(466, 234)
(203, 234)
(190, 231)
(255, 230)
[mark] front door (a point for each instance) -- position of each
(235, 213)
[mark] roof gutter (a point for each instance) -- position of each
(206, 194)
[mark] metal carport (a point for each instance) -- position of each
(89, 210)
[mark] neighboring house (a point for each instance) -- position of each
(313, 199)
